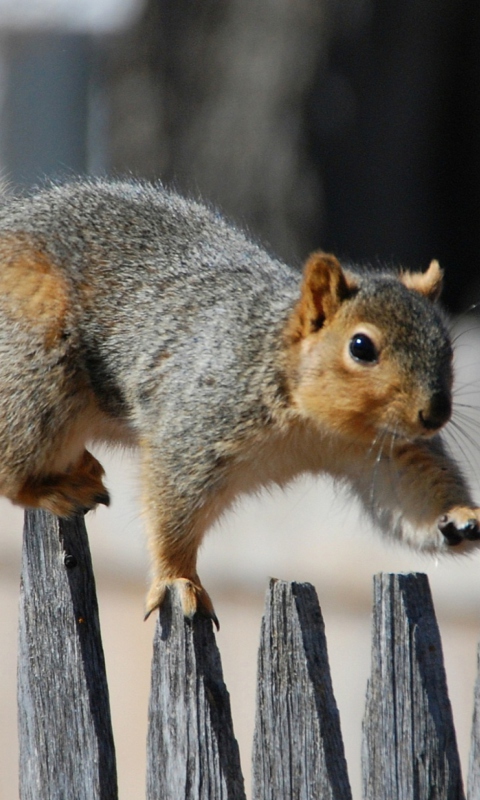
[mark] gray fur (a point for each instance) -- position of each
(181, 328)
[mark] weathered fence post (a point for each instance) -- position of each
(298, 749)
(473, 786)
(409, 743)
(66, 742)
(192, 752)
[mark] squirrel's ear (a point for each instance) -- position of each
(324, 288)
(428, 283)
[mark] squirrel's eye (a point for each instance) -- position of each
(363, 349)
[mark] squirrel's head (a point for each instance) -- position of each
(370, 352)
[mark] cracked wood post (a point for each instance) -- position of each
(409, 744)
(298, 748)
(192, 752)
(66, 741)
(473, 787)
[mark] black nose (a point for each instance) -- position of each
(437, 412)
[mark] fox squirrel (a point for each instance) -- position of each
(131, 315)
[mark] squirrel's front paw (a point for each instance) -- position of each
(193, 597)
(460, 525)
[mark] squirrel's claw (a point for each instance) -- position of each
(102, 498)
(209, 614)
(193, 597)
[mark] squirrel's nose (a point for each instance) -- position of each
(437, 412)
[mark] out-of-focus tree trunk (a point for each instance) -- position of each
(211, 98)
(346, 125)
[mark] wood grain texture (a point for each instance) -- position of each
(298, 749)
(66, 742)
(192, 752)
(409, 743)
(473, 786)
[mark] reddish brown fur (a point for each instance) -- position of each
(324, 288)
(174, 551)
(63, 477)
(33, 287)
(428, 283)
(352, 401)
(65, 493)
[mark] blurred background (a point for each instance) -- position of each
(351, 125)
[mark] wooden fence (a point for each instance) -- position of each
(66, 743)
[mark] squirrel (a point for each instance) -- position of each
(131, 315)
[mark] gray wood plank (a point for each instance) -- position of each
(409, 743)
(473, 786)
(192, 752)
(66, 742)
(298, 749)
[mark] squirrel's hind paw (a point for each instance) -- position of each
(193, 597)
(64, 495)
(460, 525)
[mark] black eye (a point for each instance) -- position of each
(363, 349)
